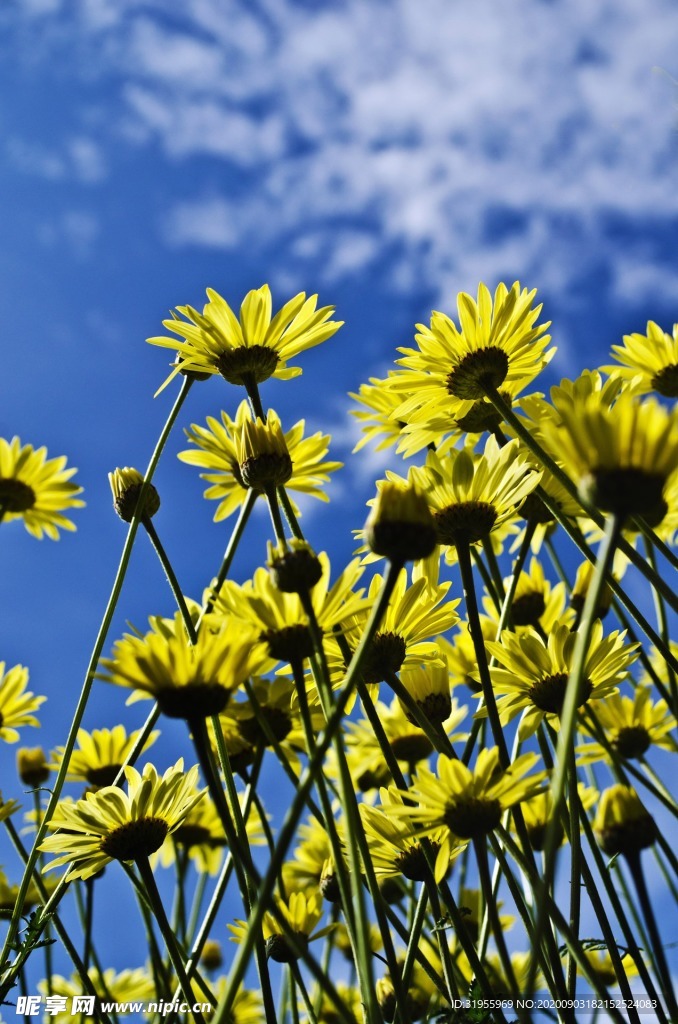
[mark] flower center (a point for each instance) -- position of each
(255, 363)
(527, 609)
(412, 748)
(412, 862)
(196, 835)
(15, 495)
(632, 741)
(464, 523)
(278, 949)
(625, 490)
(195, 700)
(136, 839)
(549, 694)
(384, 657)
(482, 415)
(472, 817)
(477, 371)
(104, 775)
(279, 723)
(268, 470)
(436, 708)
(666, 381)
(291, 643)
(534, 510)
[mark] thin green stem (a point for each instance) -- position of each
(79, 712)
(291, 518)
(662, 624)
(276, 518)
(171, 578)
(229, 554)
(661, 966)
(480, 848)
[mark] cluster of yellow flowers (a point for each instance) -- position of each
(562, 715)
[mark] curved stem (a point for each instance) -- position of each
(171, 578)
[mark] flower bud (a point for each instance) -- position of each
(262, 453)
(622, 824)
(295, 569)
(400, 525)
(31, 765)
(126, 484)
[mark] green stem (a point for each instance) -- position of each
(480, 848)
(175, 953)
(234, 540)
(662, 624)
(276, 518)
(291, 518)
(575, 866)
(79, 712)
(171, 578)
(661, 966)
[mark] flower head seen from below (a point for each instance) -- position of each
(126, 485)
(621, 456)
(648, 362)
(189, 681)
(469, 804)
(99, 755)
(498, 346)
(122, 986)
(472, 495)
(400, 525)
(252, 347)
(113, 825)
(218, 451)
(17, 704)
(36, 489)
(630, 726)
(622, 824)
(532, 674)
(300, 914)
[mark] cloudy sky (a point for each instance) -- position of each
(384, 153)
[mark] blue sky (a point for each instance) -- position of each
(384, 154)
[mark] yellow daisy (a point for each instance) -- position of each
(188, 680)
(622, 823)
(377, 417)
(648, 362)
(252, 347)
(468, 804)
(113, 825)
(99, 755)
(535, 603)
(36, 489)
(538, 814)
(471, 495)
(311, 868)
(217, 445)
(532, 673)
(415, 615)
(631, 726)
(301, 914)
(499, 345)
(9, 894)
(621, 456)
(601, 964)
(16, 703)
(279, 619)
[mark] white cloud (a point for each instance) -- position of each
(468, 137)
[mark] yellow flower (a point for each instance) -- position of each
(393, 850)
(36, 489)
(16, 703)
(535, 603)
(498, 346)
(538, 814)
(622, 824)
(100, 755)
(400, 525)
(218, 453)
(9, 894)
(188, 680)
(378, 419)
(601, 964)
(311, 868)
(126, 484)
(631, 726)
(468, 804)
(471, 495)
(31, 766)
(279, 618)
(532, 674)
(113, 825)
(649, 362)
(251, 348)
(300, 913)
(620, 457)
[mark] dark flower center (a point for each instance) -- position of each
(384, 657)
(15, 495)
(534, 510)
(278, 948)
(627, 490)
(196, 835)
(666, 381)
(195, 700)
(435, 707)
(527, 609)
(549, 694)
(472, 817)
(482, 416)
(291, 643)
(279, 723)
(412, 863)
(477, 371)
(104, 775)
(136, 839)
(268, 470)
(412, 748)
(255, 363)
(464, 523)
(632, 741)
